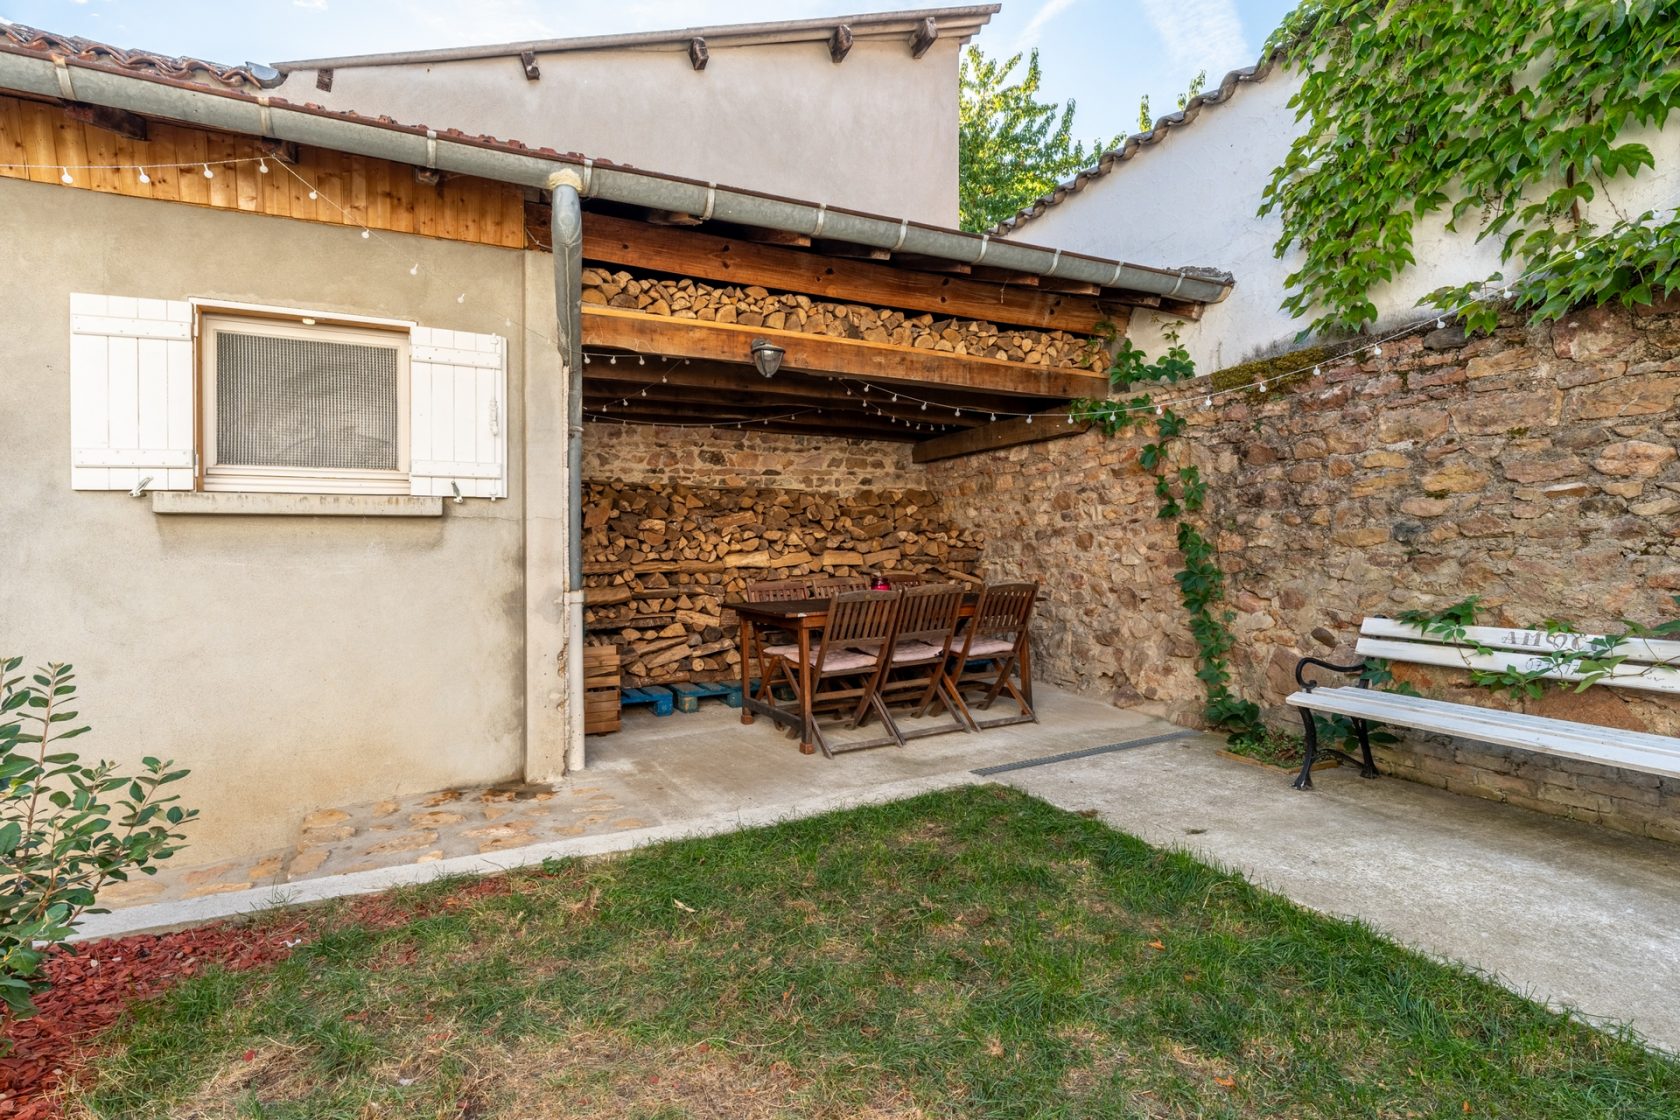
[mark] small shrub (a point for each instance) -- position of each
(66, 828)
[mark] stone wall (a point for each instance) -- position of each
(1535, 468)
(741, 457)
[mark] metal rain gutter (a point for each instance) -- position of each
(259, 116)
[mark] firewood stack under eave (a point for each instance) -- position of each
(659, 562)
(757, 307)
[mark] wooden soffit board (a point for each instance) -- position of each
(869, 361)
(631, 244)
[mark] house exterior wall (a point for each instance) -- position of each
(1195, 200)
(877, 132)
(289, 662)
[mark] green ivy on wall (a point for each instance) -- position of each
(1179, 491)
(1510, 115)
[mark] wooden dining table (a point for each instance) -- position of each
(805, 619)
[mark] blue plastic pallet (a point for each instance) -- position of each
(660, 697)
(690, 694)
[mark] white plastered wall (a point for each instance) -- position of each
(1194, 199)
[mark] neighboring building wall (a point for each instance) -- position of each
(1536, 469)
(878, 132)
(289, 662)
(1195, 199)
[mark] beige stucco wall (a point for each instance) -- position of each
(1195, 200)
(290, 662)
(878, 132)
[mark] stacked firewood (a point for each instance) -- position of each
(659, 562)
(757, 307)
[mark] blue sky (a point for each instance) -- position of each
(1104, 53)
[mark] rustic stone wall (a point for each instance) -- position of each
(1536, 468)
(740, 457)
(757, 307)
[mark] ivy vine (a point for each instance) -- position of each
(1577, 660)
(1510, 115)
(1179, 491)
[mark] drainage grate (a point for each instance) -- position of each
(987, 771)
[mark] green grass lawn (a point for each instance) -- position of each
(968, 953)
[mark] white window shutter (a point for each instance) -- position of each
(131, 393)
(457, 413)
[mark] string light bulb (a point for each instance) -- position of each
(1207, 402)
(262, 166)
(1029, 418)
(461, 297)
(64, 176)
(1440, 324)
(1580, 254)
(414, 269)
(1376, 351)
(1318, 371)
(208, 174)
(313, 194)
(366, 233)
(144, 178)
(641, 361)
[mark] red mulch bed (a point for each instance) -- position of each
(95, 982)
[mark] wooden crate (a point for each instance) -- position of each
(600, 689)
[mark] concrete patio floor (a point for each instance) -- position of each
(1569, 914)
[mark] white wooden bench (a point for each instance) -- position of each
(1649, 664)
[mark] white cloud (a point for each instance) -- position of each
(1034, 30)
(1200, 34)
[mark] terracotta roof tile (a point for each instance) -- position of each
(144, 63)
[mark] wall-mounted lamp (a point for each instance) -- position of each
(766, 356)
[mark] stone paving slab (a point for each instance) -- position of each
(657, 771)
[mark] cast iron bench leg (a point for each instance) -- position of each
(1311, 736)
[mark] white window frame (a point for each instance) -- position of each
(222, 477)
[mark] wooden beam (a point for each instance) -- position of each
(840, 44)
(705, 402)
(872, 361)
(123, 123)
(703, 256)
(728, 377)
(850, 251)
(926, 33)
(1077, 287)
(935, 264)
(991, 437)
(1003, 276)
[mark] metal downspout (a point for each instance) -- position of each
(566, 229)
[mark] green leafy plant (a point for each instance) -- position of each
(67, 828)
(1512, 116)
(1588, 660)
(1179, 490)
(1011, 147)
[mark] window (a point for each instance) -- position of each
(174, 395)
(296, 407)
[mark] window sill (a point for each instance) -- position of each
(296, 505)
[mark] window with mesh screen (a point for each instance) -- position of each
(313, 403)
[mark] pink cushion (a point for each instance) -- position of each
(990, 647)
(905, 653)
(837, 661)
(789, 651)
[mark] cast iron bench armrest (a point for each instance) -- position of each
(1301, 665)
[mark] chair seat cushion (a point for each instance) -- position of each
(837, 661)
(788, 651)
(911, 652)
(990, 647)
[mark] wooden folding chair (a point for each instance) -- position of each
(846, 668)
(904, 581)
(998, 637)
(837, 585)
(774, 643)
(918, 673)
